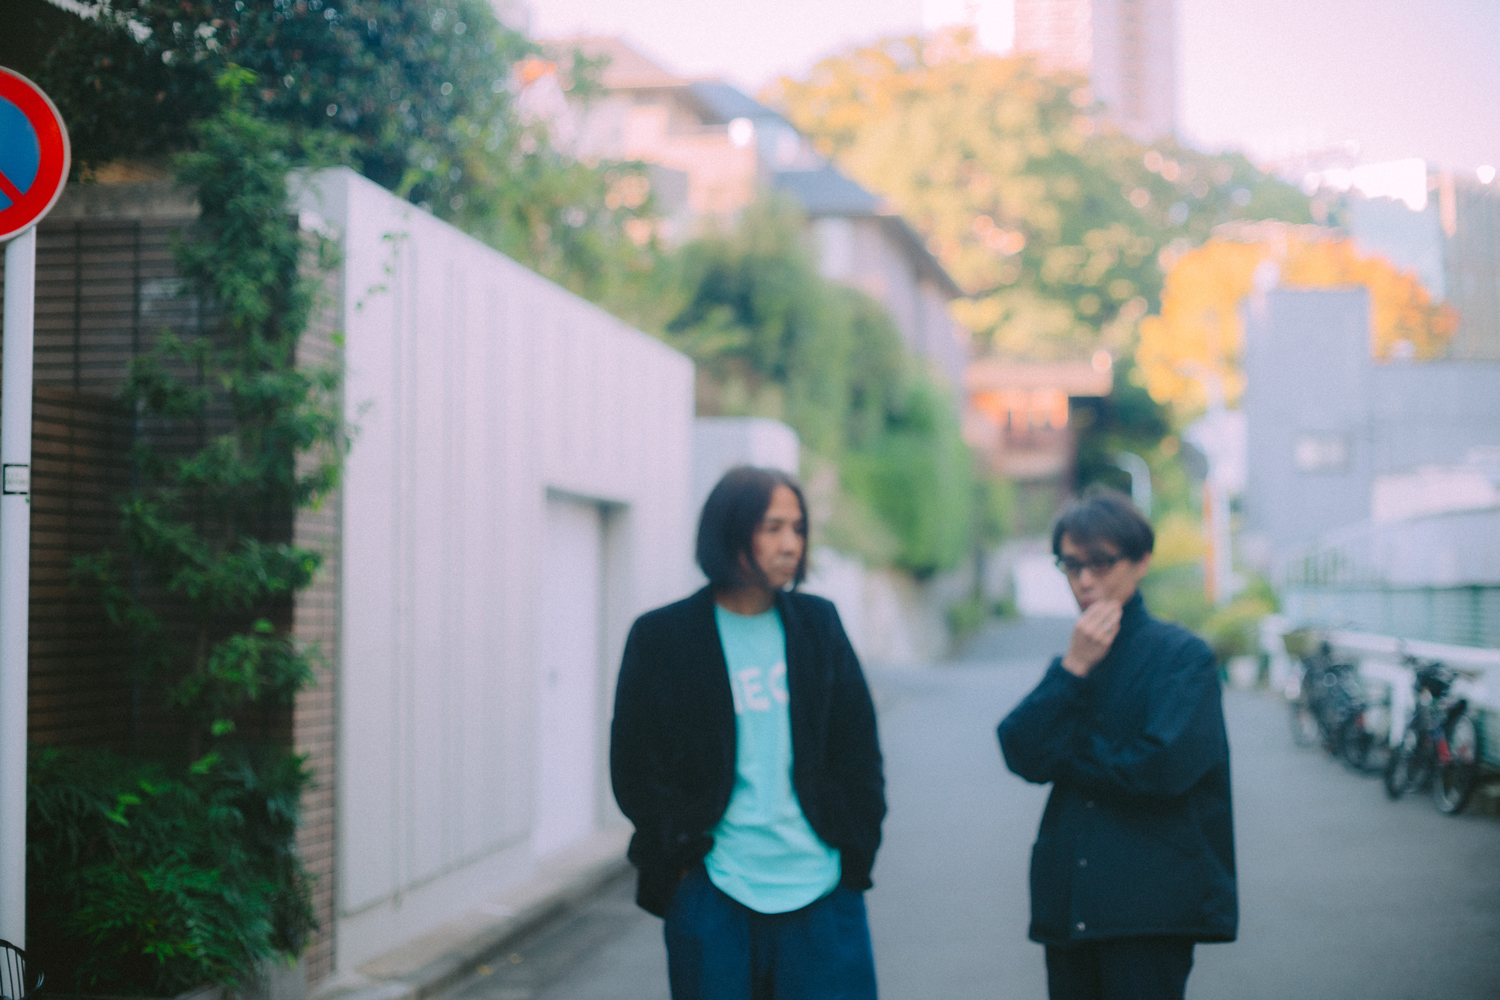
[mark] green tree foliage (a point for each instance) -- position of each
(418, 95)
(1058, 227)
(402, 82)
(190, 874)
(917, 477)
(773, 338)
(1128, 419)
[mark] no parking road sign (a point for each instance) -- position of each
(33, 154)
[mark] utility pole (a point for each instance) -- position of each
(1211, 434)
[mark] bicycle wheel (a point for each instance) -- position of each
(1304, 721)
(1398, 769)
(1333, 718)
(1355, 740)
(1455, 780)
(1377, 728)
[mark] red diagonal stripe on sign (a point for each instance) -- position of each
(8, 189)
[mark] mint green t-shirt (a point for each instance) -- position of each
(765, 853)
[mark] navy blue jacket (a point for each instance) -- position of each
(672, 743)
(1137, 838)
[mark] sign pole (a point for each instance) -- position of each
(33, 172)
(15, 564)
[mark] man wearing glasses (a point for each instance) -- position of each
(1134, 861)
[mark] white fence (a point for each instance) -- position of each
(517, 493)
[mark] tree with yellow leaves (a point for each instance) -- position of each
(1199, 327)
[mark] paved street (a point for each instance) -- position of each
(1344, 896)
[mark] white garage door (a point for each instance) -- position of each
(568, 682)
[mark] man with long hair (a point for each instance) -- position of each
(744, 750)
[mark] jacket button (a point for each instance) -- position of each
(1089, 804)
(1079, 925)
(1083, 862)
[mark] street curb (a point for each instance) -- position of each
(440, 960)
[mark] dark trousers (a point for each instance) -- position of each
(1143, 968)
(718, 949)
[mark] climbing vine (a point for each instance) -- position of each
(178, 866)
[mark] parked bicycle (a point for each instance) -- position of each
(1364, 727)
(1331, 705)
(1317, 698)
(1440, 748)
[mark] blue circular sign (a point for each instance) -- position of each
(20, 154)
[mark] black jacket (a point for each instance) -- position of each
(672, 744)
(1137, 838)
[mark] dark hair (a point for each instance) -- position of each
(726, 528)
(1104, 515)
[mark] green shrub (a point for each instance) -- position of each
(773, 338)
(968, 616)
(917, 476)
(1176, 594)
(147, 878)
(1234, 629)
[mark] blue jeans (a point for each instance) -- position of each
(719, 949)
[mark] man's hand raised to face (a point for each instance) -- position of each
(1092, 634)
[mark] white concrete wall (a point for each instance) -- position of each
(482, 393)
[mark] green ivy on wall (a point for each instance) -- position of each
(177, 867)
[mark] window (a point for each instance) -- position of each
(1320, 451)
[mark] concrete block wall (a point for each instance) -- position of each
(490, 407)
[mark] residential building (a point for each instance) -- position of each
(1127, 49)
(1469, 214)
(862, 244)
(1442, 226)
(729, 148)
(1337, 439)
(1018, 418)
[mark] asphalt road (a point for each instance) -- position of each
(1343, 895)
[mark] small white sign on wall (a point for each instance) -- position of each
(17, 479)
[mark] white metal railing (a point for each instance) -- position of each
(1381, 660)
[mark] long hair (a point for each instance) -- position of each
(726, 528)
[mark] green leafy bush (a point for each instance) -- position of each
(145, 877)
(1234, 629)
(773, 338)
(1176, 594)
(968, 616)
(916, 475)
(415, 94)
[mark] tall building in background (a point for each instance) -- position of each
(1127, 48)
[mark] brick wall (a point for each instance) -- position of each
(315, 717)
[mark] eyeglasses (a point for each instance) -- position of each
(1097, 565)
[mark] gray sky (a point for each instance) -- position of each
(1399, 77)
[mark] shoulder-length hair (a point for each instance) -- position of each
(726, 528)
